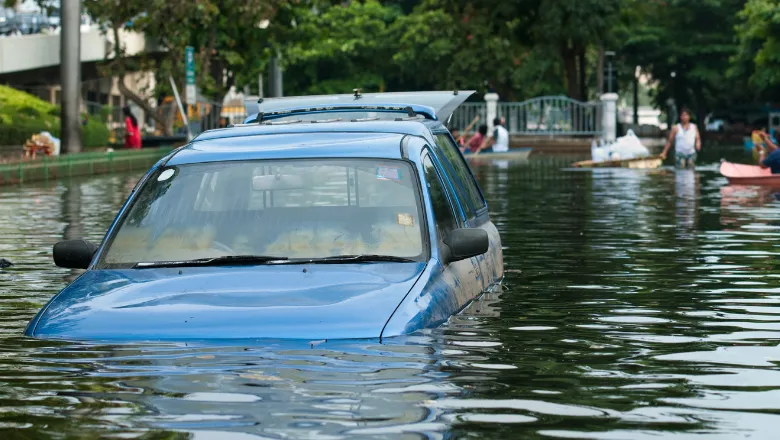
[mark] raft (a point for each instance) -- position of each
(648, 162)
(740, 174)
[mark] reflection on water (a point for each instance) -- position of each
(636, 304)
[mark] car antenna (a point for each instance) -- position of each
(357, 93)
(259, 114)
(455, 93)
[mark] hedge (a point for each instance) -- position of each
(23, 115)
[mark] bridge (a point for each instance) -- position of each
(22, 54)
(32, 63)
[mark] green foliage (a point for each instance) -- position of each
(521, 49)
(23, 115)
(225, 34)
(685, 47)
(95, 134)
(758, 32)
(339, 48)
(439, 45)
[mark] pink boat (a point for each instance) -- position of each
(749, 174)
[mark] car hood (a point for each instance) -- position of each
(321, 301)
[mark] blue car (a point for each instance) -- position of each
(347, 216)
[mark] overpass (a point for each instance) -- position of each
(32, 63)
(36, 52)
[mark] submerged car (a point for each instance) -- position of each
(319, 218)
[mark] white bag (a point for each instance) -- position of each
(54, 140)
(626, 147)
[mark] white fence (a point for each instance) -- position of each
(544, 116)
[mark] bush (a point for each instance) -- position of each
(23, 115)
(95, 134)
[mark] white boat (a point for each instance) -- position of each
(512, 154)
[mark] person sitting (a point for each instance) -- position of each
(473, 144)
(772, 159)
(758, 140)
(499, 141)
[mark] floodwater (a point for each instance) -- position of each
(637, 305)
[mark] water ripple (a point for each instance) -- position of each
(636, 305)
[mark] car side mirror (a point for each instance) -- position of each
(466, 243)
(74, 254)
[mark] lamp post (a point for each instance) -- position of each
(610, 55)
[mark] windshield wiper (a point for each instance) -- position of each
(363, 258)
(214, 261)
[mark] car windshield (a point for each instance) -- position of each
(293, 209)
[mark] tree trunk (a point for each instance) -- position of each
(570, 64)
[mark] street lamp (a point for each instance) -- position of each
(610, 55)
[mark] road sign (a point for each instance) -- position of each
(190, 69)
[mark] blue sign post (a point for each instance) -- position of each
(190, 91)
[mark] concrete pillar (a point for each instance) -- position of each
(491, 100)
(70, 72)
(609, 116)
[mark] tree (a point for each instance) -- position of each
(476, 44)
(336, 48)
(224, 32)
(682, 45)
(569, 28)
(758, 33)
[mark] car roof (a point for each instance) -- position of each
(377, 139)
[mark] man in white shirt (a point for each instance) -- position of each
(499, 140)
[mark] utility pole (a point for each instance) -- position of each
(275, 80)
(70, 73)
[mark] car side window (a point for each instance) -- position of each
(461, 168)
(442, 210)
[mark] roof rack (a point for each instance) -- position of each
(410, 111)
(294, 121)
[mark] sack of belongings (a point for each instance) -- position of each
(626, 147)
(42, 143)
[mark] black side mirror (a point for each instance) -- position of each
(466, 243)
(74, 254)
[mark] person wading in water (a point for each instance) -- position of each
(687, 141)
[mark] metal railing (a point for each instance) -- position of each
(544, 116)
(551, 116)
(466, 113)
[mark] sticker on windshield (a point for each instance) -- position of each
(165, 175)
(388, 173)
(405, 219)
